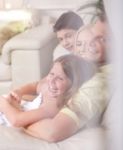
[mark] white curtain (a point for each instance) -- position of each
(114, 13)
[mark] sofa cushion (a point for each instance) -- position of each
(5, 71)
(5, 87)
(16, 139)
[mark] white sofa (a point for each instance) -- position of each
(101, 137)
(15, 139)
(94, 138)
(26, 57)
(22, 57)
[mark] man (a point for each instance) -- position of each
(65, 28)
(90, 101)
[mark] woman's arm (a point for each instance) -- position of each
(55, 129)
(21, 118)
(30, 88)
(23, 92)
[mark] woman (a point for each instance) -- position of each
(65, 77)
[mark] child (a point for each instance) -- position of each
(64, 79)
(66, 28)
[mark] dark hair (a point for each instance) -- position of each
(102, 17)
(68, 20)
(77, 70)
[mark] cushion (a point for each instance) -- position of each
(16, 139)
(5, 71)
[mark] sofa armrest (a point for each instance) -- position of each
(88, 139)
(31, 39)
(31, 65)
(30, 54)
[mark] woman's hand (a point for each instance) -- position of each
(8, 100)
(15, 96)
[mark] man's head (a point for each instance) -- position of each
(66, 27)
(90, 42)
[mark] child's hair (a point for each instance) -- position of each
(68, 20)
(77, 70)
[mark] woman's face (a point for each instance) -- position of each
(57, 81)
(90, 43)
(66, 38)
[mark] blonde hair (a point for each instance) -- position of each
(83, 28)
(77, 70)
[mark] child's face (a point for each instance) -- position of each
(57, 81)
(90, 43)
(66, 38)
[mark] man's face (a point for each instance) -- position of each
(66, 38)
(90, 42)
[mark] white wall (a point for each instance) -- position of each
(54, 8)
(54, 4)
(51, 7)
(11, 4)
(44, 4)
(114, 12)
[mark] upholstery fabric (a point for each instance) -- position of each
(15, 139)
(26, 57)
(5, 72)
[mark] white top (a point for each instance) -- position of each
(60, 51)
(25, 106)
(33, 104)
